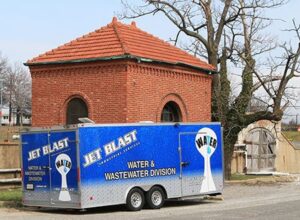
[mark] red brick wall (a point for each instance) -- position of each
(151, 86)
(101, 85)
(118, 91)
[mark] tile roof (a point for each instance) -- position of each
(119, 40)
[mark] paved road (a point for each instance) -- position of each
(279, 201)
(296, 144)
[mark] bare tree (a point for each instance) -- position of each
(3, 70)
(3, 65)
(231, 30)
(17, 91)
(22, 93)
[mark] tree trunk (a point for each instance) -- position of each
(230, 138)
(216, 90)
(10, 114)
(18, 116)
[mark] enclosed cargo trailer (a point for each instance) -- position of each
(88, 165)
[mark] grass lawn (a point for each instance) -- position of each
(11, 198)
(292, 135)
(14, 195)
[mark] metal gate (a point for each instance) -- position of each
(260, 145)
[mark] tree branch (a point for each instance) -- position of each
(257, 85)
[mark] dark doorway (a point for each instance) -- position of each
(171, 113)
(76, 109)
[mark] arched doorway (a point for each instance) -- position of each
(260, 145)
(171, 113)
(76, 108)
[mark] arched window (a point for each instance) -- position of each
(171, 113)
(76, 109)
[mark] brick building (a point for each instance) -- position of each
(119, 74)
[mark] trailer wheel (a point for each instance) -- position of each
(155, 197)
(135, 199)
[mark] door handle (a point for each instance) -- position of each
(184, 164)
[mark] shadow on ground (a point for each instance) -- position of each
(111, 209)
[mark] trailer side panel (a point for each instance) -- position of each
(114, 159)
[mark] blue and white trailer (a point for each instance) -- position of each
(88, 165)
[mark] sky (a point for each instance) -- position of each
(32, 27)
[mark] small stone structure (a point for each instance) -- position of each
(262, 148)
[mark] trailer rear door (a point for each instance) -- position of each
(49, 162)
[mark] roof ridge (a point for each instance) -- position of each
(115, 24)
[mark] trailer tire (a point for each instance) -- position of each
(155, 197)
(135, 199)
